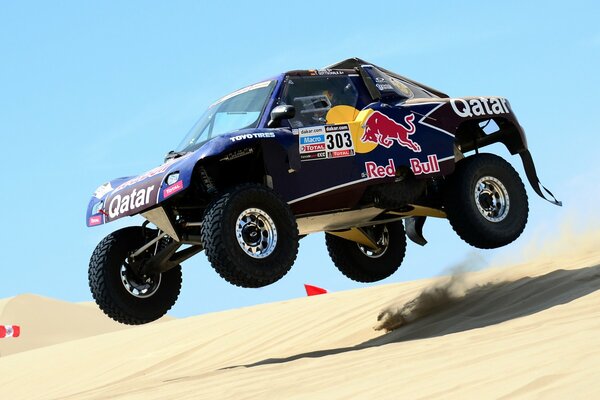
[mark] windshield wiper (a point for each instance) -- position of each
(174, 154)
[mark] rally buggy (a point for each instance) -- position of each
(353, 150)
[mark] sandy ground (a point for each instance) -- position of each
(525, 331)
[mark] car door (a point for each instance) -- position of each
(326, 127)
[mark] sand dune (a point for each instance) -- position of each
(49, 322)
(527, 331)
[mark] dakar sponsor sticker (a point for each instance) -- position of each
(327, 141)
(425, 167)
(339, 141)
(174, 188)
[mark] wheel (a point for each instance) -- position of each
(250, 236)
(486, 202)
(362, 264)
(122, 294)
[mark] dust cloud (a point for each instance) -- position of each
(433, 299)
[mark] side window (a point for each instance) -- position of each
(314, 96)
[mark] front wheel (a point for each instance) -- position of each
(363, 264)
(486, 201)
(250, 236)
(120, 292)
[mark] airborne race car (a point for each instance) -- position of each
(351, 150)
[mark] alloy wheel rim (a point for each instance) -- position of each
(141, 287)
(383, 242)
(491, 198)
(256, 233)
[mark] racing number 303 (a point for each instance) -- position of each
(339, 140)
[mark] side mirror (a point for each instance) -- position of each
(279, 113)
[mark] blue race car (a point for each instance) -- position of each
(353, 150)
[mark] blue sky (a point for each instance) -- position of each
(90, 91)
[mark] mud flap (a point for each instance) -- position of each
(414, 230)
(534, 181)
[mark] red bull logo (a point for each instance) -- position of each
(380, 171)
(381, 129)
(425, 167)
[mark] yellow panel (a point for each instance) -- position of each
(341, 114)
(356, 235)
(355, 120)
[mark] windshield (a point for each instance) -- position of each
(238, 110)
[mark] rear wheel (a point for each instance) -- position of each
(363, 264)
(123, 294)
(486, 201)
(250, 236)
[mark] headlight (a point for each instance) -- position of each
(172, 178)
(97, 207)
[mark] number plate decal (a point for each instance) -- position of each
(323, 142)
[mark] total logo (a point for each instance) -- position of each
(136, 199)
(95, 220)
(312, 147)
(380, 171)
(381, 129)
(426, 167)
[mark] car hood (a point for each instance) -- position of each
(134, 194)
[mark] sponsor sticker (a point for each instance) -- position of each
(312, 147)
(327, 141)
(252, 136)
(425, 167)
(325, 72)
(340, 153)
(384, 86)
(95, 220)
(480, 106)
(312, 139)
(320, 155)
(102, 190)
(383, 130)
(149, 174)
(372, 170)
(237, 154)
(243, 90)
(121, 204)
(174, 188)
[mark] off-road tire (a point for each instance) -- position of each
(356, 265)
(461, 204)
(226, 254)
(109, 291)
